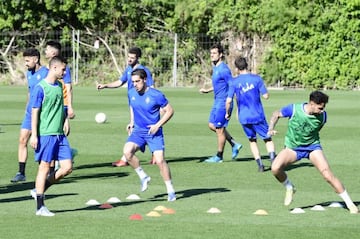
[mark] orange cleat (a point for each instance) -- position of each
(120, 163)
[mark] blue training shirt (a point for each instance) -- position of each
(248, 89)
(126, 76)
(33, 78)
(146, 107)
(221, 78)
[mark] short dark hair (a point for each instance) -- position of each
(54, 44)
(219, 47)
(57, 59)
(136, 51)
(139, 72)
(318, 97)
(240, 63)
(32, 52)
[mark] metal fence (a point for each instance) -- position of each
(174, 59)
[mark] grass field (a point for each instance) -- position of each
(234, 187)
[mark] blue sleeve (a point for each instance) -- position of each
(37, 97)
(287, 111)
(231, 90)
(67, 75)
(262, 87)
(123, 78)
(149, 79)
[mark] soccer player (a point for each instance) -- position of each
(52, 49)
(35, 73)
(248, 89)
(146, 129)
(221, 77)
(134, 55)
(302, 140)
(47, 137)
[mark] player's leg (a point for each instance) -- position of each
(319, 160)
(165, 173)
(256, 154)
(44, 154)
(283, 159)
(22, 155)
(130, 148)
(235, 146)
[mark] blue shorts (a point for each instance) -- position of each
(26, 123)
(53, 147)
(141, 138)
(304, 151)
(251, 130)
(217, 117)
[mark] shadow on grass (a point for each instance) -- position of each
(114, 205)
(186, 159)
(327, 204)
(70, 178)
(15, 187)
(194, 192)
(94, 165)
(25, 198)
(157, 198)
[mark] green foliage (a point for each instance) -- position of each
(313, 43)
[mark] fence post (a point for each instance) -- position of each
(175, 61)
(75, 50)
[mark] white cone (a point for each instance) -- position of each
(133, 197)
(113, 200)
(92, 202)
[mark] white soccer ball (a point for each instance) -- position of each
(100, 118)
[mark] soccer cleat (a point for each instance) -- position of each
(235, 150)
(144, 183)
(120, 163)
(353, 209)
(213, 159)
(289, 196)
(43, 211)
(171, 197)
(18, 177)
(261, 169)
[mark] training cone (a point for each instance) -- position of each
(159, 208)
(113, 200)
(168, 211)
(213, 210)
(317, 208)
(136, 217)
(261, 212)
(133, 197)
(92, 202)
(297, 210)
(153, 214)
(336, 204)
(105, 206)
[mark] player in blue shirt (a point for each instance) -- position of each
(133, 63)
(221, 77)
(35, 73)
(248, 89)
(145, 128)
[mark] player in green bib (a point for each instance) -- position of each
(47, 132)
(302, 140)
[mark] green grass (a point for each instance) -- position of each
(235, 187)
